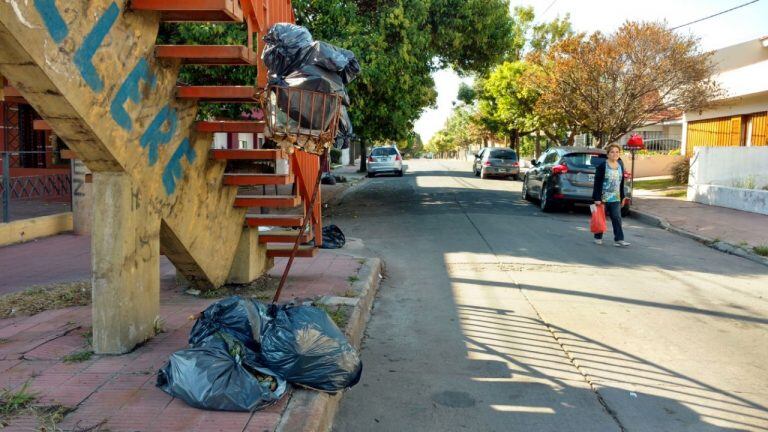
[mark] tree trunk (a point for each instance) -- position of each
(514, 141)
(537, 148)
(363, 159)
(571, 138)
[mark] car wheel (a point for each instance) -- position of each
(625, 211)
(516, 177)
(483, 175)
(400, 173)
(477, 173)
(545, 202)
(526, 195)
(370, 174)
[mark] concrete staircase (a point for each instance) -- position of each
(94, 73)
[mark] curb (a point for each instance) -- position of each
(313, 411)
(719, 245)
(338, 198)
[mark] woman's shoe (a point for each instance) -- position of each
(598, 241)
(622, 243)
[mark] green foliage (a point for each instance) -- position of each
(457, 133)
(12, 402)
(680, 171)
(335, 156)
(78, 357)
(467, 94)
(761, 250)
(508, 99)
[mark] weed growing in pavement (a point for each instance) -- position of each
(158, 326)
(761, 250)
(339, 314)
(12, 402)
(78, 357)
(42, 298)
(350, 293)
(676, 194)
(262, 289)
(352, 279)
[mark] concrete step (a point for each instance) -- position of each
(287, 236)
(192, 10)
(229, 55)
(284, 251)
(273, 201)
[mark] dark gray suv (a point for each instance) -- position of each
(496, 162)
(566, 175)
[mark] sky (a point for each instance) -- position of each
(740, 25)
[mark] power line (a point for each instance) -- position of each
(717, 14)
(552, 4)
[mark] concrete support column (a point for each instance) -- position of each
(126, 268)
(82, 198)
(250, 258)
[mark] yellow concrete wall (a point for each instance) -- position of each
(200, 228)
(29, 229)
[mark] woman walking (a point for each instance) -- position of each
(609, 191)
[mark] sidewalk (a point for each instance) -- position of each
(118, 392)
(735, 227)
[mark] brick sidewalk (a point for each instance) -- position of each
(732, 226)
(119, 391)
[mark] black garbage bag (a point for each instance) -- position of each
(344, 132)
(333, 238)
(243, 319)
(221, 374)
(334, 59)
(304, 111)
(285, 48)
(303, 345)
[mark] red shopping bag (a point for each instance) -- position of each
(597, 224)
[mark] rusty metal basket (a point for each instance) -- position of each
(303, 118)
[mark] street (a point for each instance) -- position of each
(494, 316)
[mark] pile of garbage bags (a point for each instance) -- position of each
(295, 61)
(243, 353)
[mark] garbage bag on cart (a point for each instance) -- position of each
(334, 59)
(220, 374)
(241, 318)
(303, 345)
(285, 48)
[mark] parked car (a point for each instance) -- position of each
(385, 160)
(565, 176)
(496, 162)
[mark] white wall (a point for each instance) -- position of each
(719, 175)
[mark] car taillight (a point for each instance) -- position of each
(487, 163)
(398, 158)
(517, 164)
(559, 169)
(627, 174)
(370, 158)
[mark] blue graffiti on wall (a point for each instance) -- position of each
(130, 89)
(52, 19)
(173, 169)
(165, 124)
(91, 43)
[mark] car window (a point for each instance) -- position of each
(584, 160)
(384, 151)
(551, 157)
(503, 154)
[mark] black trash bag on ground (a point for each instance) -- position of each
(221, 374)
(244, 319)
(303, 345)
(328, 179)
(285, 47)
(333, 238)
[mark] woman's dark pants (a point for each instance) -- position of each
(613, 210)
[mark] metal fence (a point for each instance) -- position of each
(32, 192)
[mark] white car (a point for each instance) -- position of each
(385, 160)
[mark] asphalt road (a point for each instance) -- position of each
(494, 316)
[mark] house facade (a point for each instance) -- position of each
(740, 117)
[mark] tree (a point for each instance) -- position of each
(611, 84)
(466, 94)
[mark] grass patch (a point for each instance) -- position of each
(42, 298)
(339, 314)
(655, 184)
(353, 279)
(13, 402)
(78, 357)
(677, 193)
(761, 250)
(262, 289)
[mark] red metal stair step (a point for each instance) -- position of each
(234, 55)
(192, 10)
(247, 154)
(234, 126)
(218, 94)
(277, 220)
(288, 236)
(256, 179)
(278, 251)
(275, 201)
